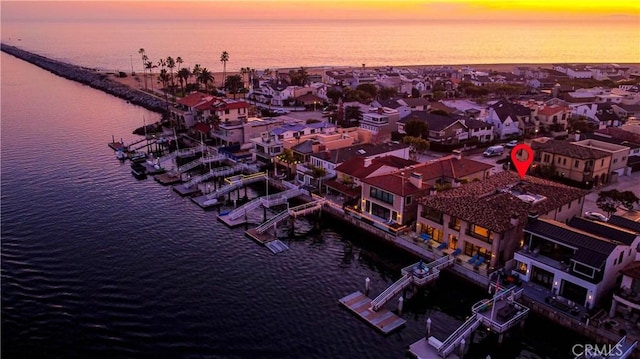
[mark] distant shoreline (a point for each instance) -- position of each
(130, 87)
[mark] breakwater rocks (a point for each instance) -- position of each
(90, 78)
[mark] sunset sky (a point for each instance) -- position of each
(542, 10)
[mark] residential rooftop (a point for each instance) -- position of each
(493, 202)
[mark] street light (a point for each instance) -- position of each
(132, 72)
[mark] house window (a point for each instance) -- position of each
(454, 223)
(226, 112)
(558, 160)
(602, 163)
(480, 233)
(407, 200)
(615, 160)
(432, 214)
(521, 267)
(576, 164)
(621, 257)
(564, 161)
(394, 215)
(583, 269)
(381, 195)
(434, 233)
(547, 158)
(379, 211)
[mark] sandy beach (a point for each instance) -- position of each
(137, 82)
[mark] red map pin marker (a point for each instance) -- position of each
(522, 165)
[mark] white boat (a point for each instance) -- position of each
(121, 155)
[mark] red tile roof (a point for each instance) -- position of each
(491, 203)
(355, 166)
(450, 167)
(552, 110)
(194, 98)
(202, 127)
(396, 183)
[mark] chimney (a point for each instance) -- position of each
(416, 179)
(432, 191)
(514, 220)
(367, 161)
(576, 136)
(457, 154)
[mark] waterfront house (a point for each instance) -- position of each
(270, 143)
(626, 299)
(583, 166)
(350, 173)
(485, 219)
(185, 113)
(600, 113)
(392, 197)
(579, 261)
(241, 132)
(330, 159)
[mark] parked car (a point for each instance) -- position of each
(511, 144)
(493, 151)
(596, 216)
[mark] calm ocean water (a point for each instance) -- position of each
(95, 264)
(113, 45)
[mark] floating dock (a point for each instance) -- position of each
(167, 179)
(184, 191)
(261, 238)
(423, 350)
(383, 320)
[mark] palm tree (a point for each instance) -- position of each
(144, 57)
(179, 61)
(164, 79)
(287, 156)
(149, 66)
(183, 76)
(197, 70)
(233, 83)
(206, 77)
(267, 72)
(224, 57)
(171, 64)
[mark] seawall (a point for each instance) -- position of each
(88, 77)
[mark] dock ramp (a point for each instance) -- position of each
(454, 339)
(390, 292)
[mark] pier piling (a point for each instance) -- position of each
(462, 343)
(367, 285)
(400, 305)
(428, 328)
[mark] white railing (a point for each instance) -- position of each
(271, 221)
(390, 292)
(465, 329)
(198, 179)
(281, 197)
(235, 182)
(212, 158)
(236, 213)
(191, 165)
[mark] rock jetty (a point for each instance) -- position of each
(90, 78)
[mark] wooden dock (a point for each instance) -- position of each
(383, 320)
(224, 218)
(167, 179)
(184, 191)
(116, 146)
(261, 238)
(423, 350)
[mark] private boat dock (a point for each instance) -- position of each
(499, 314)
(261, 233)
(373, 312)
